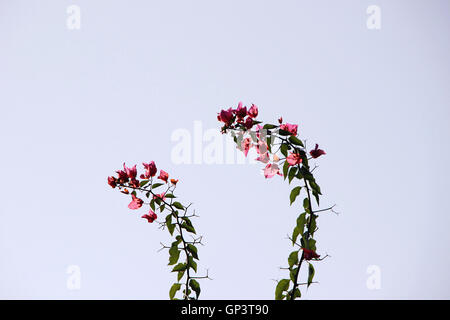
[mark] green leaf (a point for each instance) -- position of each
(293, 259)
(173, 290)
(305, 172)
(296, 141)
(162, 207)
(282, 286)
(152, 204)
(315, 186)
(299, 229)
(156, 185)
(292, 273)
(313, 226)
(180, 275)
(295, 234)
(177, 241)
(195, 286)
(188, 227)
(174, 254)
(143, 183)
(188, 221)
(305, 161)
(291, 174)
(178, 205)
(192, 264)
(193, 250)
(316, 195)
(302, 240)
(188, 292)
(285, 169)
(297, 293)
(169, 196)
(179, 267)
(171, 228)
(311, 244)
(301, 221)
(315, 190)
(294, 194)
(169, 224)
(282, 132)
(306, 204)
(284, 149)
(269, 126)
(310, 273)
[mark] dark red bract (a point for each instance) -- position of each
(226, 116)
(164, 176)
(253, 111)
(316, 152)
(241, 111)
(122, 176)
(150, 169)
(131, 172)
(248, 124)
(310, 254)
(112, 182)
(151, 216)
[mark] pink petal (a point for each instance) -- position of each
(133, 205)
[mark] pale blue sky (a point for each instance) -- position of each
(76, 104)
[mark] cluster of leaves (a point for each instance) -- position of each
(306, 223)
(285, 154)
(178, 221)
(183, 252)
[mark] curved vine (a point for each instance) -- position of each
(284, 154)
(177, 221)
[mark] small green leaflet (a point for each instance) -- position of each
(310, 273)
(283, 285)
(195, 286)
(293, 259)
(173, 290)
(294, 194)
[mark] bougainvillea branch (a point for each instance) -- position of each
(177, 221)
(292, 154)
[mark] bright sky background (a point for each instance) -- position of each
(76, 104)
